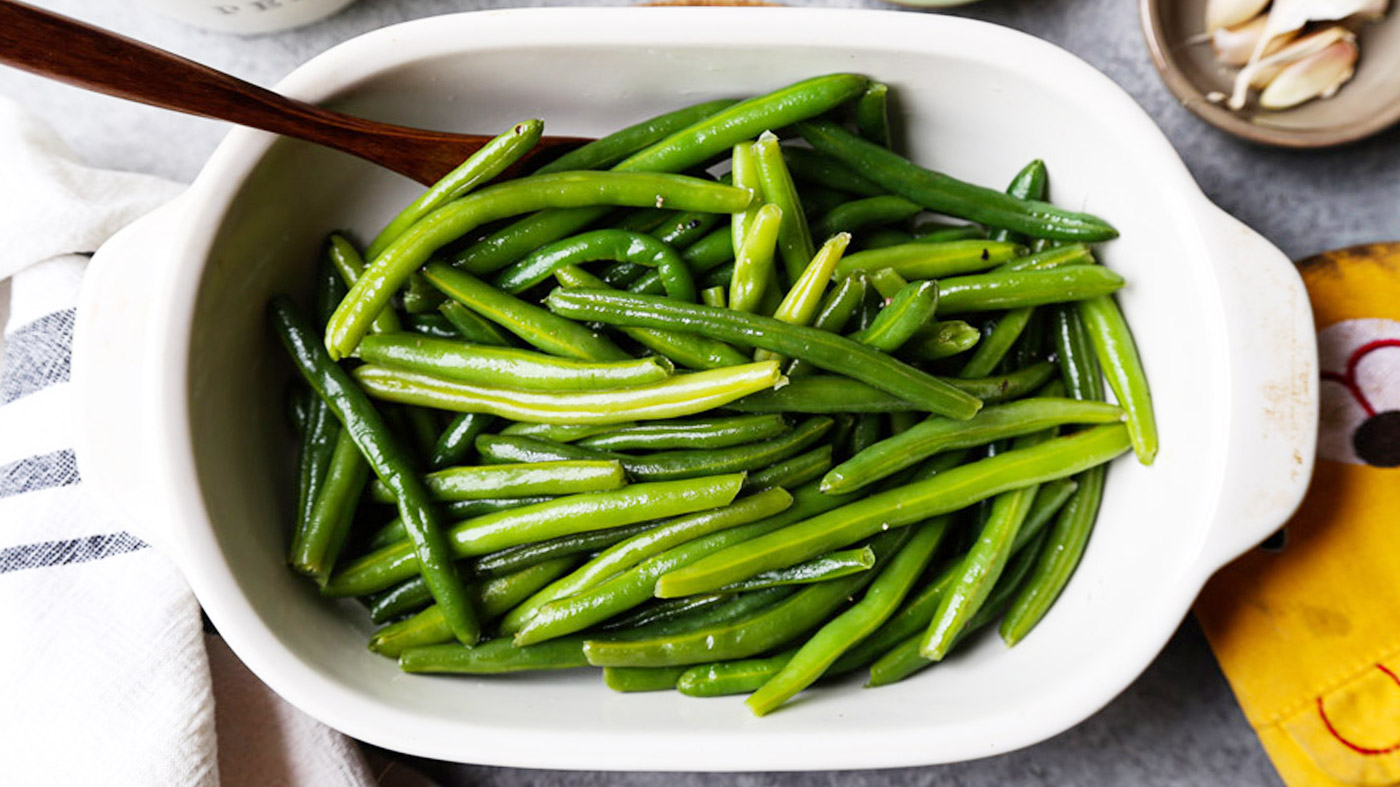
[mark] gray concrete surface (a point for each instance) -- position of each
(1178, 724)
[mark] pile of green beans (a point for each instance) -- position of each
(732, 416)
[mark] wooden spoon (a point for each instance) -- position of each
(69, 51)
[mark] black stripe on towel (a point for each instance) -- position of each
(37, 355)
(61, 553)
(44, 471)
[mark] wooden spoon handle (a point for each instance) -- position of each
(70, 51)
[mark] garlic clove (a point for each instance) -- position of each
(1234, 45)
(1262, 71)
(1317, 75)
(1229, 13)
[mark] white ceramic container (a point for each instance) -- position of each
(183, 382)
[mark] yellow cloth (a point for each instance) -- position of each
(1308, 633)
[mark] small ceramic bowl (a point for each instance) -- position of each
(1369, 103)
(183, 381)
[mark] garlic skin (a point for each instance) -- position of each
(1235, 45)
(1318, 75)
(1229, 13)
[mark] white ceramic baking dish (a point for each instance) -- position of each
(182, 382)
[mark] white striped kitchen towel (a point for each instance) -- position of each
(106, 673)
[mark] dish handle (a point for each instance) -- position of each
(113, 371)
(1274, 388)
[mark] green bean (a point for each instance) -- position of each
(609, 150)
(710, 252)
(570, 433)
(867, 432)
(710, 433)
(887, 283)
(428, 552)
(747, 119)
(629, 679)
(872, 114)
(494, 657)
(623, 274)
(1050, 259)
(714, 296)
(944, 234)
(941, 339)
(914, 616)
(733, 608)
(906, 313)
(944, 194)
(830, 394)
(996, 422)
(821, 348)
(743, 173)
(719, 277)
(419, 297)
(537, 326)
(493, 597)
(922, 260)
(945, 492)
(905, 624)
(835, 312)
(800, 304)
(669, 611)
(832, 565)
(838, 635)
(1029, 183)
(823, 170)
(818, 201)
(411, 595)
(1064, 547)
(685, 229)
(904, 658)
(994, 348)
(507, 367)
(472, 326)
(665, 465)
(792, 472)
(319, 437)
(753, 260)
(454, 511)
(884, 237)
(415, 246)
(488, 162)
(315, 548)
(454, 445)
(794, 239)
(297, 407)
(862, 213)
(1118, 356)
(622, 577)
(609, 244)
(723, 678)
(982, 565)
(681, 394)
(744, 637)
(682, 150)
(520, 480)
(1079, 366)
(514, 558)
(431, 325)
(350, 265)
(695, 352)
(561, 516)
(1014, 289)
